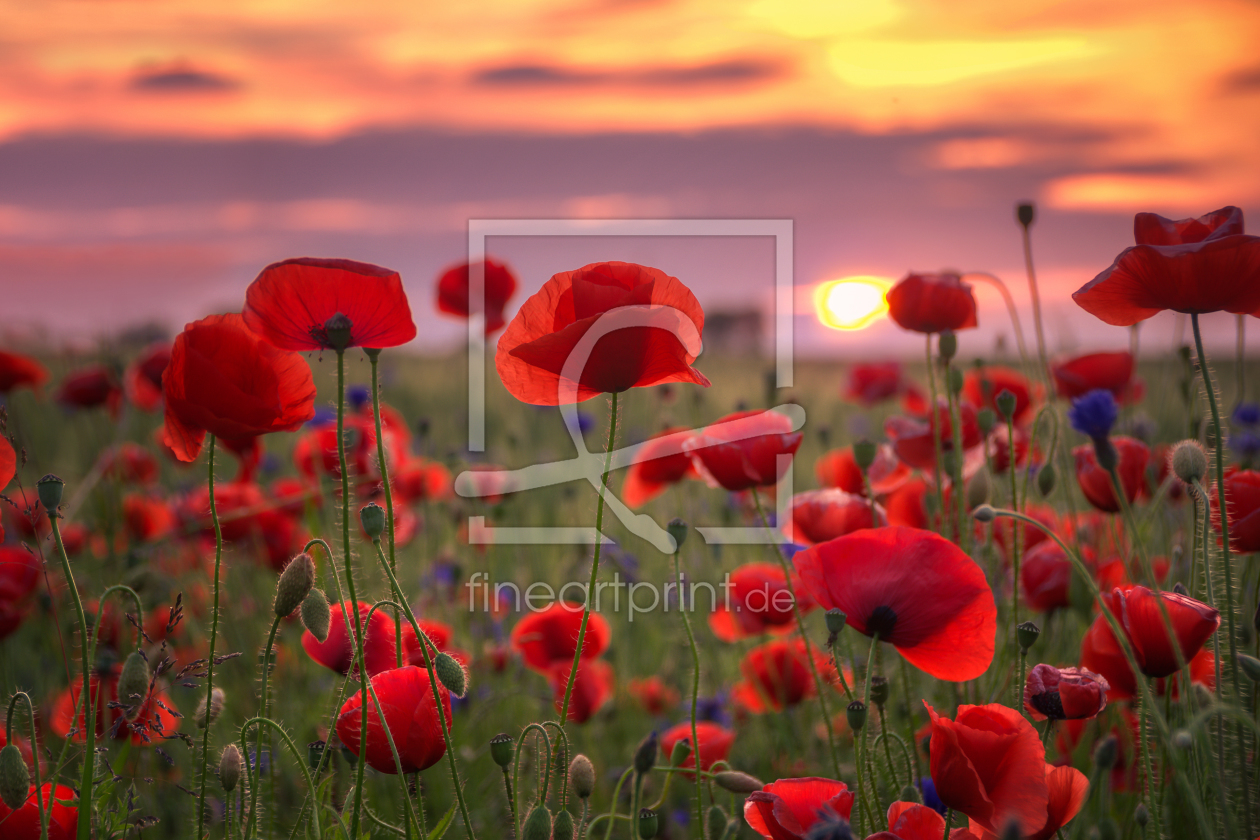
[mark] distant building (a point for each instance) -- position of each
(736, 332)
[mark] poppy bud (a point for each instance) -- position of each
(315, 751)
(502, 749)
(1182, 739)
(15, 779)
(50, 488)
(910, 793)
(1026, 634)
(230, 767)
(955, 381)
(984, 513)
(1025, 213)
(879, 691)
(737, 782)
(856, 714)
(1189, 461)
(986, 419)
(864, 452)
(678, 530)
(316, 614)
(133, 684)
(1180, 589)
(645, 755)
(372, 517)
(1141, 816)
(1105, 753)
(716, 823)
(537, 824)
(582, 776)
(294, 585)
(978, 489)
(647, 823)
(451, 674)
(947, 344)
(682, 749)
(337, 328)
(1045, 479)
(206, 717)
(562, 828)
(835, 621)
(1006, 403)
(949, 462)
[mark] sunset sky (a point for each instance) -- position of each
(155, 155)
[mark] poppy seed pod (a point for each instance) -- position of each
(835, 621)
(1045, 479)
(856, 713)
(230, 765)
(537, 824)
(879, 691)
(581, 776)
(315, 752)
(678, 530)
(645, 755)
(133, 684)
(984, 513)
(1025, 213)
(372, 517)
(50, 488)
(648, 823)
(316, 614)
(294, 584)
(737, 782)
(682, 749)
(337, 329)
(502, 749)
(1006, 402)
(562, 827)
(986, 419)
(204, 716)
(1105, 753)
(864, 454)
(15, 779)
(978, 489)
(947, 344)
(1189, 461)
(1026, 634)
(451, 673)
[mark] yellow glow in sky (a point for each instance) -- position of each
(871, 63)
(851, 303)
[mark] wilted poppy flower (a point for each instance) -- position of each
(154, 719)
(406, 699)
(981, 387)
(988, 763)
(142, 381)
(715, 743)
(745, 449)
(838, 468)
(912, 437)
(1132, 456)
(1138, 611)
(1192, 265)
(500, 285)
(654, 695)
(757, 600)
(90, 387)
(918, 590)
(17, 370)
(592, 687)
(1242, 504)
(788, 808)
(777, 675)
(1064, 693)
(291, 302)
(658, 464)
(820, 515)
(226, 380)
(550, 636)
(337, 651)
(932, 303)
(873, 382)
(659, 341)
(24, 823)
(1079, 375)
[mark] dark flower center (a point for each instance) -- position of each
(334, 333)
(1049, 703)
(882, 621)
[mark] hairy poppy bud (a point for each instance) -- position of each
(835, 621)
(230, 765)
(737, 782)
(49, 488)
(1189, 461)
(645, 755)
(678, 530)
(682, 749)
(1105, 753)
(856, 714)
(716, 823)
(582, 776)
(910, 793)
(1026, 635)
(295, 584)
(1006, 403)
(978, 489)
(133, 684)
(502, 748)
(562, 828)
(316, 614)
(537, 824)
(337, 328)
(879, 691)
(451, 673)
(648, 823)
(1045, 479)
(864, 452)
(984, 513)
(1141, 816)
(1025, 213)
(947, 344)
(15, 780)
(986, 419)
(372, 517)
(1182, 739)
(204, 716)
(315, 751)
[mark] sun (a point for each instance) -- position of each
(851, 303)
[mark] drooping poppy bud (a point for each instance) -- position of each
(645, 755)
(1045, 479)
(716, 823)
(502, 749)
(582, 776)
(737, 782)
(133, 684)
(451, 674)
(230, 766)
(316, 614)
(15, 779)
(1189, 461)
(294, 584)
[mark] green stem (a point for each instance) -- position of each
(39, 792)
(310, 784)
(936, 436)
(960, 491)
(214, 635)
(262, 713)
(914, 748)
(374, 357)
(1015, 553)
(866, 728)
(695, 682)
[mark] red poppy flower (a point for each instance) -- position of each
(911, 821)
(439, 633)
(290, 302)
(23, 823)
(142, 381)
(1045, 576)
(656, 466)
(871, 383)
(838, 468)
(239, 505)
(1030, 535)
(500, 285)
(226, 380)
(654, 695)
(757, 600)
(1242, 504)
(918, 590)
(1138, 611)
(154, 719)
(821, 515)
(1064, 693)
(1132, 456)
(981, 387)
(337, 651)
(1192, 265)
(659, 343)
(8, 466)
(932, 303)
(1079, 375)
(128, 462)
(146, 518)
(316, 450)
(788, 808)
(906, 506)
(406, 699)
(418, 480)
(989, 764)
(17, 370)
(19, 577)
(90, 387)
(1000, 448)
(745, 449)
(777, 676)
(715, 743)
(912, 438)
(592, 687)
(549, 636)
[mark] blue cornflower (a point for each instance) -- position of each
(713, 709)
(930, 797)
(585, 422)
(1246, 414)
(1093, 414)
(323, 416)
(358, 396)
